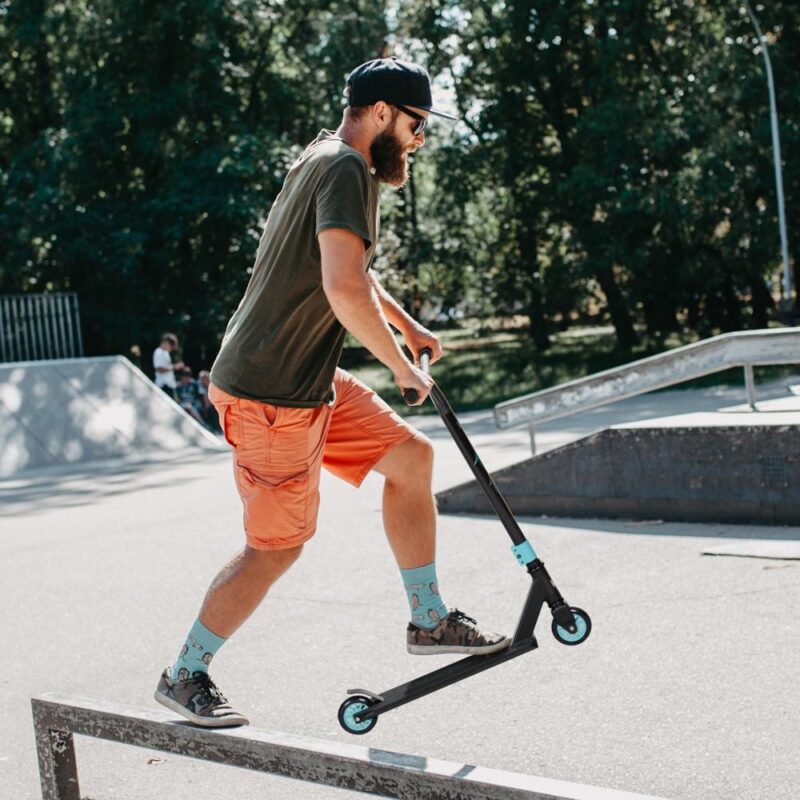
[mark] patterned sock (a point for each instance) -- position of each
(422, 588)
(197, 652)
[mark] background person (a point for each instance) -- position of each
(188, 395)
(163, 366)
(207, 409)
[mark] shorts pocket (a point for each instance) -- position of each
(275, 507)
(226, 423)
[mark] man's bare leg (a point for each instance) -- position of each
(409, 516)
(241, 585)
(409, 508)
(238, 588)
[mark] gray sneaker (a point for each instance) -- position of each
(456, 633)
(197, 699)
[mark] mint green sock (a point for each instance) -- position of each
(424, 600)
(196, 654)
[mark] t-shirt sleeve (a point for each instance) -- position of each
(343, 198)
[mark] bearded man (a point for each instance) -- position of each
(287, 409)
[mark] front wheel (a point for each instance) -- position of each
(350, 709)
(583, 627)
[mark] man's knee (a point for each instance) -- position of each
(273, 561)
(411, 460)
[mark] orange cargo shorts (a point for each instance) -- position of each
(278, 452)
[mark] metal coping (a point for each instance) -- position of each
(737, 349)
(363, 769)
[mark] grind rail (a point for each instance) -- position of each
(746, 349)
(363, 769)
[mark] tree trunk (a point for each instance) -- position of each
(660, 316)
(761, 302)
(733, 310)
(617, 308)
(796, 271)
(537, 327)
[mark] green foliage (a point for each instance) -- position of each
(143, 143)
(613, 161)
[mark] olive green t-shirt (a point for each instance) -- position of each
(283, 342)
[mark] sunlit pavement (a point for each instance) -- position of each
(687, 687)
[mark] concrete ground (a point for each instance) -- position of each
(687, 688)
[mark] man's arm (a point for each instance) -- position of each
(417, 336)
(395, 314)
(356, 304)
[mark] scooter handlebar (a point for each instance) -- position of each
(412, 395)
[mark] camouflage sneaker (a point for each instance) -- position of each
(456, 633)
(198, 700)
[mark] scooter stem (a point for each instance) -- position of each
(470, 456)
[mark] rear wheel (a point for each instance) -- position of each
(349, 711)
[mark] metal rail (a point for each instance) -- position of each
(363, 769)
(746, 349)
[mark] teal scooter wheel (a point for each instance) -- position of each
(583, 627)
(350, 709)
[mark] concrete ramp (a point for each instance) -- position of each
(71, 411)
(689, 473)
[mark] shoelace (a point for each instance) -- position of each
(208, 687)
(457, 616)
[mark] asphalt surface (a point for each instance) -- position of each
(687, 688)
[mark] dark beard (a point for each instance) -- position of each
(388, 159)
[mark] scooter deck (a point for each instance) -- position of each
(440, 678)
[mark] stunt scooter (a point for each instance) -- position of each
(359, 712)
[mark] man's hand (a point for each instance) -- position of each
(417, 338)
(411, 377)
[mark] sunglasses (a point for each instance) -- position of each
(421, 121)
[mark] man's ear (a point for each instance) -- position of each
(382, 115)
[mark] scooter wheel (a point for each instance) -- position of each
(583, 627)
(350, 709)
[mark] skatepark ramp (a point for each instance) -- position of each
(362, 769)
(734, 464)
(71, 411)
(660, 469)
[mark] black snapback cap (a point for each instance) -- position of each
(396, 82)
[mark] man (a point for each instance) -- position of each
(162, 364)
(287, 410)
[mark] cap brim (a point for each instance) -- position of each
(442, 114)
(437, 113)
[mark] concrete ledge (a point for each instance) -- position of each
(734, 473)
(363, 769)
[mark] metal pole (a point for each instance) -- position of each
(77, 319)
(776, 154)
(62, 311)
(22, 322)
(750, 386)
(3, 315)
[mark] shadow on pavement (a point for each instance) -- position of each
(61, 487)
